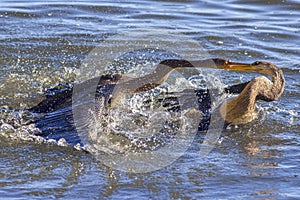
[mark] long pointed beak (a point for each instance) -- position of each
(236, 66)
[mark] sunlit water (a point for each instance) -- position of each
(44, 44)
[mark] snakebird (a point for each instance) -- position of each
(237, 110)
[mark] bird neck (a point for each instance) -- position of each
(272, 91)
(241, 109)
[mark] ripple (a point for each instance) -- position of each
(42, 44)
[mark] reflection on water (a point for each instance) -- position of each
(44, 43)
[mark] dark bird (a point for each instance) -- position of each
(57, 106)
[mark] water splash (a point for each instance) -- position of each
(23, 87)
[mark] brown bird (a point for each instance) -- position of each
(237, 110)
(58, 113)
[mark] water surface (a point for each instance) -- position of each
(42, 45)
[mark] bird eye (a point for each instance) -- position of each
(257, 63)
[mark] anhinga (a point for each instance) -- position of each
(238, 110)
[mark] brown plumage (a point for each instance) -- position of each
(238, 110)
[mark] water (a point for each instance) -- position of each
(43, 44)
